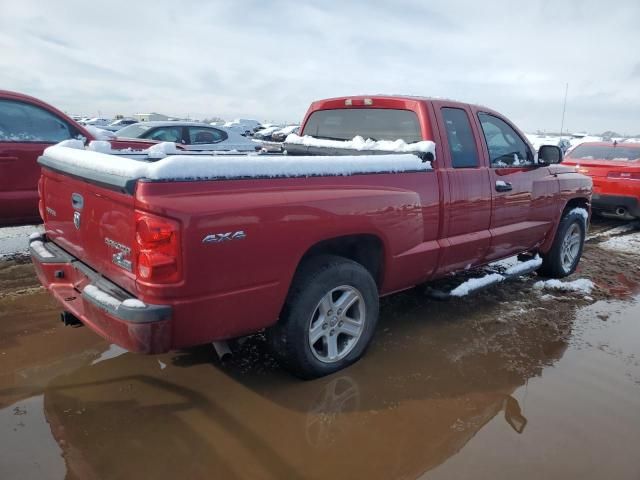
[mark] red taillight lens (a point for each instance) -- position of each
(158, 249)
(624, 175)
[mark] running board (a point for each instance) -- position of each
(474, 285)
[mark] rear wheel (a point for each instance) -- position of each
(566, 250)
(328, 319)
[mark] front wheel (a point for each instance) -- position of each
(566, 250)
(328, 319)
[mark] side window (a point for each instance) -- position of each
(462, 144)
(165, 134)
(22, 122)
(202, 136)
(506, 148)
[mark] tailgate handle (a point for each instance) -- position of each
(77, 201)
(502, 186)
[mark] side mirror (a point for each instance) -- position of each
(550, 154)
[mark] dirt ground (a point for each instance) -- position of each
(509, 382)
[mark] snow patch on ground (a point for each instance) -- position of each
(616, 231)
(582, 285)
(15, 240)
(625, 243)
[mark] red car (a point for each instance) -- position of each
(184, 251)
(27, 127)
(615, 170)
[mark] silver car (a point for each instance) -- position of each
(191, 135)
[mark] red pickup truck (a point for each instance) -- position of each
(27, 127)
(192, 249)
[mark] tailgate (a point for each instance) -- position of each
(94, 223)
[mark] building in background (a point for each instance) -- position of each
(150, 117)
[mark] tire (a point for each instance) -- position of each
(559, 262)
(315, 336)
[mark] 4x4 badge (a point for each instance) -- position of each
(76, 220)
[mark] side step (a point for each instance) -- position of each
(474, 285)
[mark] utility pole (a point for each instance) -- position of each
(564, 108)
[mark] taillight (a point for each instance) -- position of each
(41, 197)
(624, 175)
(158, 249)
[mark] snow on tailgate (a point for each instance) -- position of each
(189, 166)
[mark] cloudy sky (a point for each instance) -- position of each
(269, 59)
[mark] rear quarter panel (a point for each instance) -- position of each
(239, 286)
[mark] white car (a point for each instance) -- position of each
(97, 122)
(191, 135)
(119, 124)
(244, 126)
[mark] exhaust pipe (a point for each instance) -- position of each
(222, 350)
(70, 320)
(621, 212)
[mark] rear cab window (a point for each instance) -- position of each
(462, 143)
(373, 123)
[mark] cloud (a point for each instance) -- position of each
(271, 59)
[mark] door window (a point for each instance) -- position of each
(506, 148)
(462, 144)
(165, 134)
(22, 122)
(202, 136)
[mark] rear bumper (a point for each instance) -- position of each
(100, 304)
(609, 203)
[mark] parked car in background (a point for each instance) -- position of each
(281, 134)
(119, 124)
(191, 135)
(265, 133)
(27, 127)
(615, 170)
(175, 253)
(96, 122)
(243, 126)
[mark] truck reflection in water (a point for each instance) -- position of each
(436, 374)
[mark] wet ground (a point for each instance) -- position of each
(512, 382)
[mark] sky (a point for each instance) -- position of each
(269, 59)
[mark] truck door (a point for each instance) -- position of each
(466, 238)
(523, 193)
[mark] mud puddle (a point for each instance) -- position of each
(508, 383)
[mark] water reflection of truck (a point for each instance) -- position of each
(417, 401)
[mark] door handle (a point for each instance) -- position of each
(502, 186)
(8, 159)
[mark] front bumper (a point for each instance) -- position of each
(99, 303)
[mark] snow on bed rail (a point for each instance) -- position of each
(359, 143)
(185, 166)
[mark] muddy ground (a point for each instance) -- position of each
(511, 382)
